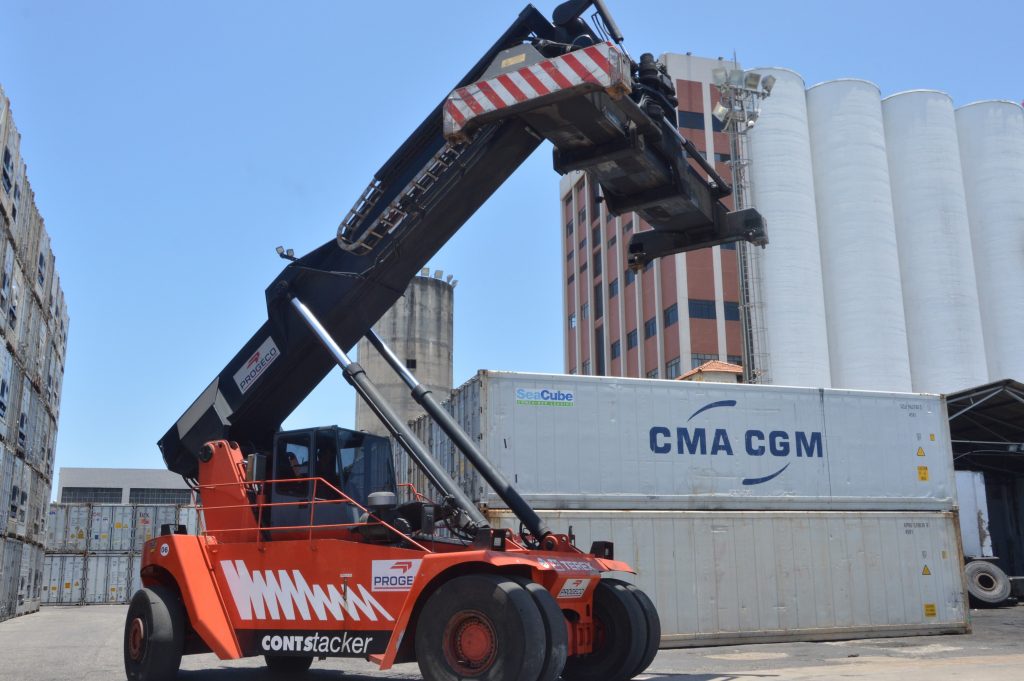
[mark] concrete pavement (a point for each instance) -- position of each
(84, 644)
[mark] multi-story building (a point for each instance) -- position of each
(681, 311)
(33, 343)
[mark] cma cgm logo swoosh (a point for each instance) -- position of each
(704, 441)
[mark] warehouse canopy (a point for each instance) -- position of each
(986, 425)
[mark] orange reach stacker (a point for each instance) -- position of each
(306, 551)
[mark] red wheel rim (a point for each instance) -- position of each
(470, 644)
(136, 639)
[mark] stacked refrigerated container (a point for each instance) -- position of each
(93, 551)
(750, 512)
(33, 342)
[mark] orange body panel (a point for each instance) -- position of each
(247, 594)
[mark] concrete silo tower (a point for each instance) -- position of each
(419, 330)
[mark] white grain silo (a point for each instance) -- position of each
(940, 296)
(863, 301)
(991, 136)
(782, 189)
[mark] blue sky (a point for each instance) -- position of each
(173, 145)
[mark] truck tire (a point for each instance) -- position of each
(287, 665)
(621, 638)
(154, 635)
(653, 627)
(480, 626)
(986, 583)
(555, 629)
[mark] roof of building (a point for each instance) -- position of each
(713, 365)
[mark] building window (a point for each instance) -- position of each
(572, 320)
(613, 288)
(583, 244)
(631, 340)
(723, 158)
(583, 267)
(698, 358)
(572, 278)
(568, 228)
(598, 266)
(599, 349)
(732, 312)
(694, 120)
(628, 226)
(410, 363)
(91, 495)
(598, 302)
(585, 311)
(735, 359)
(612, 241)
(616, 349)
(630, 276)
(731, 246)
(145, 495)
(651, 328)
(653, 373)
(595, 235)
(702, 309)
(582, 216)
(568, 257)
(671, 315)
(672, 369)
(585, 369)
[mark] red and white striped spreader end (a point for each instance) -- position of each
(597, 67)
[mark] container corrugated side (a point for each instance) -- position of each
(10, 578)
(148, 520)
(63, 579)
(599, 442)
(106, 578)
(30, 579)
(110, 527)
(722, 577)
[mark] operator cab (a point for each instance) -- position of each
(354, 463)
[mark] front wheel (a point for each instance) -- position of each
(154, 635)
(482, 626)
(620, 641)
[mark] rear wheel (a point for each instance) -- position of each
(620, 640)
(986, 583)
(480, 626)
(287, 665)
(154, 635)
(555, 629)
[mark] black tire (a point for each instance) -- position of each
(555, 629)
(621, 641)
(286, 665)
(154, 635)
(485, 627)
(986, 583)
(653, 627)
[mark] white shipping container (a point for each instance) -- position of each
(729, 577)
(7, 459)
(31, 575)
(110, 528)
(63, 579)
(10, 578)
(149, 519)
(970, 495)
(67, 528)
(624, 443)
(106, 578)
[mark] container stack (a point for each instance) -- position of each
(94, 551)
(33, 343)
(750, 512)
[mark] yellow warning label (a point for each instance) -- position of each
(922, 473)
(920, 451)
(67, 585)
(517, 59)
(930, 610)
(931, 437)
(926, 571)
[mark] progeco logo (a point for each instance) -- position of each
(545, 398)
(754, 442)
